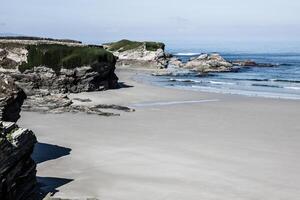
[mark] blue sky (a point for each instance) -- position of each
(175, 22)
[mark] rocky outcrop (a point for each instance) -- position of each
(250, 63)
(175, 68)
(57, 104)
(209, 63)
(11, 57)
(57, 66)
(11, 99)
(206, 63)
(175, 62)
(47, 85)
(17, 169)
(80, 79)
(145, 54)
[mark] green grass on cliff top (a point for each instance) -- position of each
(58, 56)
(125, 45)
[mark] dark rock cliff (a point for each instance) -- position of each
(17, 169)
(11, 99)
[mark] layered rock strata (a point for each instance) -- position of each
(79, 79)
(17, 169)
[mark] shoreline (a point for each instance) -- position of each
(203, 146)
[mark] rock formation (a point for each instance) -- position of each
(45, 68)
(250, 63)
(11, 99)
(79, 79)
(175, 68)
(209, 63)
(145, 54)
(175, 62)
(57, 66)
(59, 103)
(17, 169)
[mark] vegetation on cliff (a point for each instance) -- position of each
(58, 56)
(125, 45)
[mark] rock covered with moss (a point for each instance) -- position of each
(134, 53)
(57, 66)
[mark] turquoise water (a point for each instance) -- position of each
(281, 81)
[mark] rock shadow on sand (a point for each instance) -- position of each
(123, 85)
(50, 185)
(44, 152)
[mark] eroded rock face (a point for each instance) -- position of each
(17, 169)
(94, 77)
(140, 56)
(81, 79)
(209, 63)
(11, 99)
(10, 58)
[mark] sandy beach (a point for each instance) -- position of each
(177, 145)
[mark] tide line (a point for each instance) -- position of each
(173, 103)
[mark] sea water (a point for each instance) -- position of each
(280, 81)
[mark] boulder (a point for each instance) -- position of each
(209, 63)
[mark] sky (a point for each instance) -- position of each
(178, 23)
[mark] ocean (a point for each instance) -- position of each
(280, 81)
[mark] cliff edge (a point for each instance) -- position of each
(134, 53)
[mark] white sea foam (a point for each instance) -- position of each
(201, 81)
(292, 88)
(185, 80)
(243, 92)
(221, 83)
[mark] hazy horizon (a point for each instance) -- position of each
(246, 25)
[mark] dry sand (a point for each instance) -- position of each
(178, 144)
